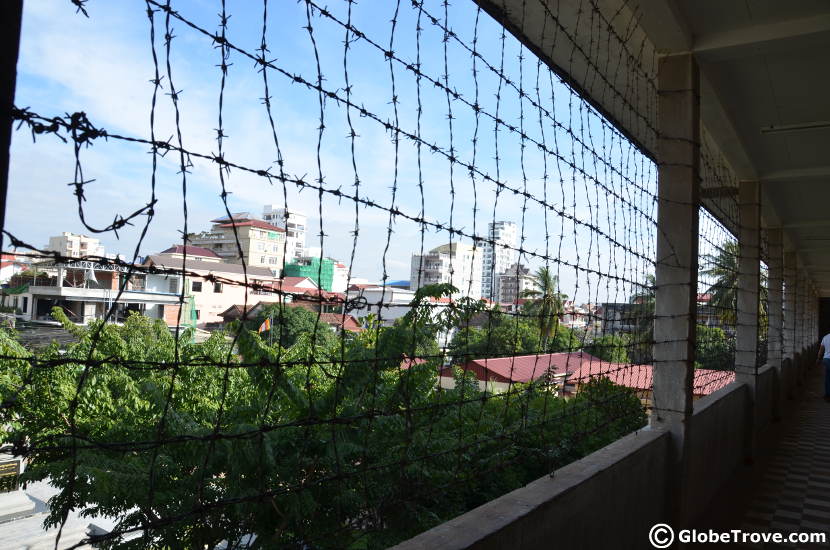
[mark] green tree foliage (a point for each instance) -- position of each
(723, 269)
(302, 445)
(610, 347)
(715, 349)
(288, 323)
(503, 335)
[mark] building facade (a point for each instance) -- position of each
(322, 272)
(75, 246)
(86, 291)
(498, 255)
(262, 244)
(513, 282)
(458, 264)
(206, 300)
(294, 223)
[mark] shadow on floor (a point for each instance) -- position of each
(786, 489)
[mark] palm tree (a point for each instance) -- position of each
(548, 302)
(723, 269)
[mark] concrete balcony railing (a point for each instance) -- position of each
(630, 484)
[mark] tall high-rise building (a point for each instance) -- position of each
(458, 264)
(498, 255)
(294, 223)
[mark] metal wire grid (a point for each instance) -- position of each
(352, 442)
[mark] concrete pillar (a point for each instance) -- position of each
(676, 269)
(789, 304)
(775, 313)
(800, 302)
(749, 279)
(749, 272)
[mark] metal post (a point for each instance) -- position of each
(10, 16)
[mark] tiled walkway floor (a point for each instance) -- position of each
(787, 490)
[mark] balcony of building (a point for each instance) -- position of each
(742, 82)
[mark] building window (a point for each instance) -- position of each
(25, 307)
(197, 313)
(262, 259)
(173, 286)
(217, 287)
(196, 286)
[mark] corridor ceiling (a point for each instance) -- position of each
(765, 91)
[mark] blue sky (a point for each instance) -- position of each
(103, 66)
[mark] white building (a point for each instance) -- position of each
(498, 255)
(340, 277)
(294, 224)
(11, 265)
(389, 304)
(87, 290)
(206, 300)
(75, 246)
(456, 263)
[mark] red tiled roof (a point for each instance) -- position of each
(337, 320)
(407, 362)
(259, 224)
(289, 289)
(581, 367)
(641, 377)
(190, 251)
(294, 281)
(526, 368)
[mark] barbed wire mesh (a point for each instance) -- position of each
(420, 133)
(763, 316)
(718, 255)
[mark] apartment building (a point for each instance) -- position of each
(497, 255)
(75, 246)
(87, 290)
(456, 263)
(294, 223)
(262, 244)
(206, 299)
(513, 282)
